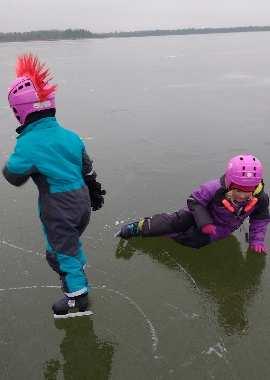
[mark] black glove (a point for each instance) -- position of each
(95, 191)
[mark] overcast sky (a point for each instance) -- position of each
(111, 15)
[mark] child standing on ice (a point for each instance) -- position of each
(215, 210)
(56, 159)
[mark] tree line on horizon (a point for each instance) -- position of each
(73, 34)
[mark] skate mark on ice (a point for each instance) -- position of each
(150, 325)
(11, 245)
(154, 336)
(25, 250)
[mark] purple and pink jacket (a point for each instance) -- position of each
(205, 204)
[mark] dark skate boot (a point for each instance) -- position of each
(68, 307)
(130, 230)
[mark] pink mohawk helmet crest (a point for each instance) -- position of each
(30, 91)
(244, 172)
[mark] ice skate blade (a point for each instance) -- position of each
(73, 315)
(117, 234)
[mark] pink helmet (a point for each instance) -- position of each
(30, 92)
(244, 172)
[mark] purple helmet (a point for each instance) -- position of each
(244, 172)
(30, 92)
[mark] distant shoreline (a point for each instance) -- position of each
(75, 34)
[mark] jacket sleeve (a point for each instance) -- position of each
(258, 221)
(198, 202)
(87, 164)
(18, 168)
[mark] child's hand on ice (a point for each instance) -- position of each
(258, 248)
(209, 229)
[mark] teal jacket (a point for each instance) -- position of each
(46, 148)
(56, 160)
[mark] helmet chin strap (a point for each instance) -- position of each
(240, 203)
(246, 207)
(239, 207)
